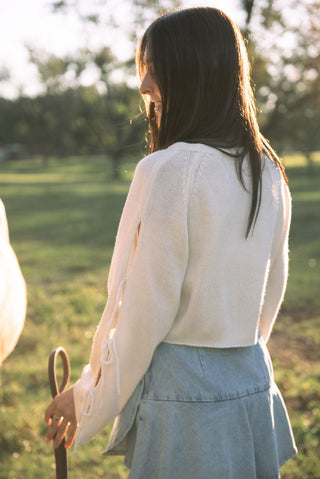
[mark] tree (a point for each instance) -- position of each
(97, 117)
(286, 72)
(72, 116)
(75, 121)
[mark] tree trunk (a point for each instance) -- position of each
(45, 160)
(310, 162)
(115, 162)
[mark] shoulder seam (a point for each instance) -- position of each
(197, 173)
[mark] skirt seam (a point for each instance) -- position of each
(200, 400)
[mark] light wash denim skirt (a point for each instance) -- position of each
(205, 413)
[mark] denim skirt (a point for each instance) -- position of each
(205, 413)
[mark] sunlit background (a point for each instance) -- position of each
(37, 24)
(59, 46)
(71, 133)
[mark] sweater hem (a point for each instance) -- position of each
(198, 344)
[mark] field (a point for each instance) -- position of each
(63, 218)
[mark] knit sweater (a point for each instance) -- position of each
(184, 272)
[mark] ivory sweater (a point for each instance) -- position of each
(183, 272)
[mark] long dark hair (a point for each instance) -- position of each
(199, 62)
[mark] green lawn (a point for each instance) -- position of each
(63, 219)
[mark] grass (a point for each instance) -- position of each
(63, 219)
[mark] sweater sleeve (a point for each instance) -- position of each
(148, 298)
(278, 273)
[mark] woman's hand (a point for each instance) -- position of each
(60, 416)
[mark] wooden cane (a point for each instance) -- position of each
(60, 452)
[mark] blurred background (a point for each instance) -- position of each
(68, 84)
(71, 132)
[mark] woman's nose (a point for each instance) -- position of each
(146, 87)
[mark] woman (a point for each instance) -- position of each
(197, 277)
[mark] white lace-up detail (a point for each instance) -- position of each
(87, 405)
(109, 347)
(108, 355)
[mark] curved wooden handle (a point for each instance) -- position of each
(60, 452)
(52, 370)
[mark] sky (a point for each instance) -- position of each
(32, 23)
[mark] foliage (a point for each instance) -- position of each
(72, 117)
(63, 221)
(4, 74)
(285, 50)
(75, 121)
(58, 74)
(286, 71)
